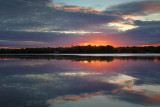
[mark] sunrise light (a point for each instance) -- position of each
(122, 26)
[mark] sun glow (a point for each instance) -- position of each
(95, 43)
(100, 40)
(98, 43)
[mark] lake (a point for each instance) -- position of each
(99, 80)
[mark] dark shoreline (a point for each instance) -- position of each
(84, 54)
(83, 50)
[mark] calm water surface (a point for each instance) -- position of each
(79, 81)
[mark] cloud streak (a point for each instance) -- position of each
(76, 8)
(71, 98)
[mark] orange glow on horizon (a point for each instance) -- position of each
(4, 47)
(95, 43)
(100, 40)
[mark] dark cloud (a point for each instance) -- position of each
(38, 15)
(147, 23)
(135, 8)
(147, 32)
(37, 39)
(26, 23)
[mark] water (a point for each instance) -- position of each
(80, 81)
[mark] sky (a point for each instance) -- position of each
(55, 23)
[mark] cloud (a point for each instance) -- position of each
(122, 26)
(76, 8)
(78, 97)
(40, 39)
(63, 32)
(135, 8)
(136, 31)
(20, 42)
(147, 23)
(38, 21)
(146, 34)
(38, 15)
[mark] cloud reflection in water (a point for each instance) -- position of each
(64, 79)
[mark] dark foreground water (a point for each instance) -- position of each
(79, 81)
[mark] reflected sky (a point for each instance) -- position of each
(69, 81)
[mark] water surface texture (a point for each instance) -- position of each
(79, 81)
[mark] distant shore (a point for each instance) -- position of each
(89, 54)
(84, 50)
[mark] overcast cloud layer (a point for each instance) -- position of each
(40, 23)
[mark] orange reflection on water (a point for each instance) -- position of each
(100, 65)
(5, 59)
(156, 60)
(92, 61)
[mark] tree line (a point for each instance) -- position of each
(83, 49)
